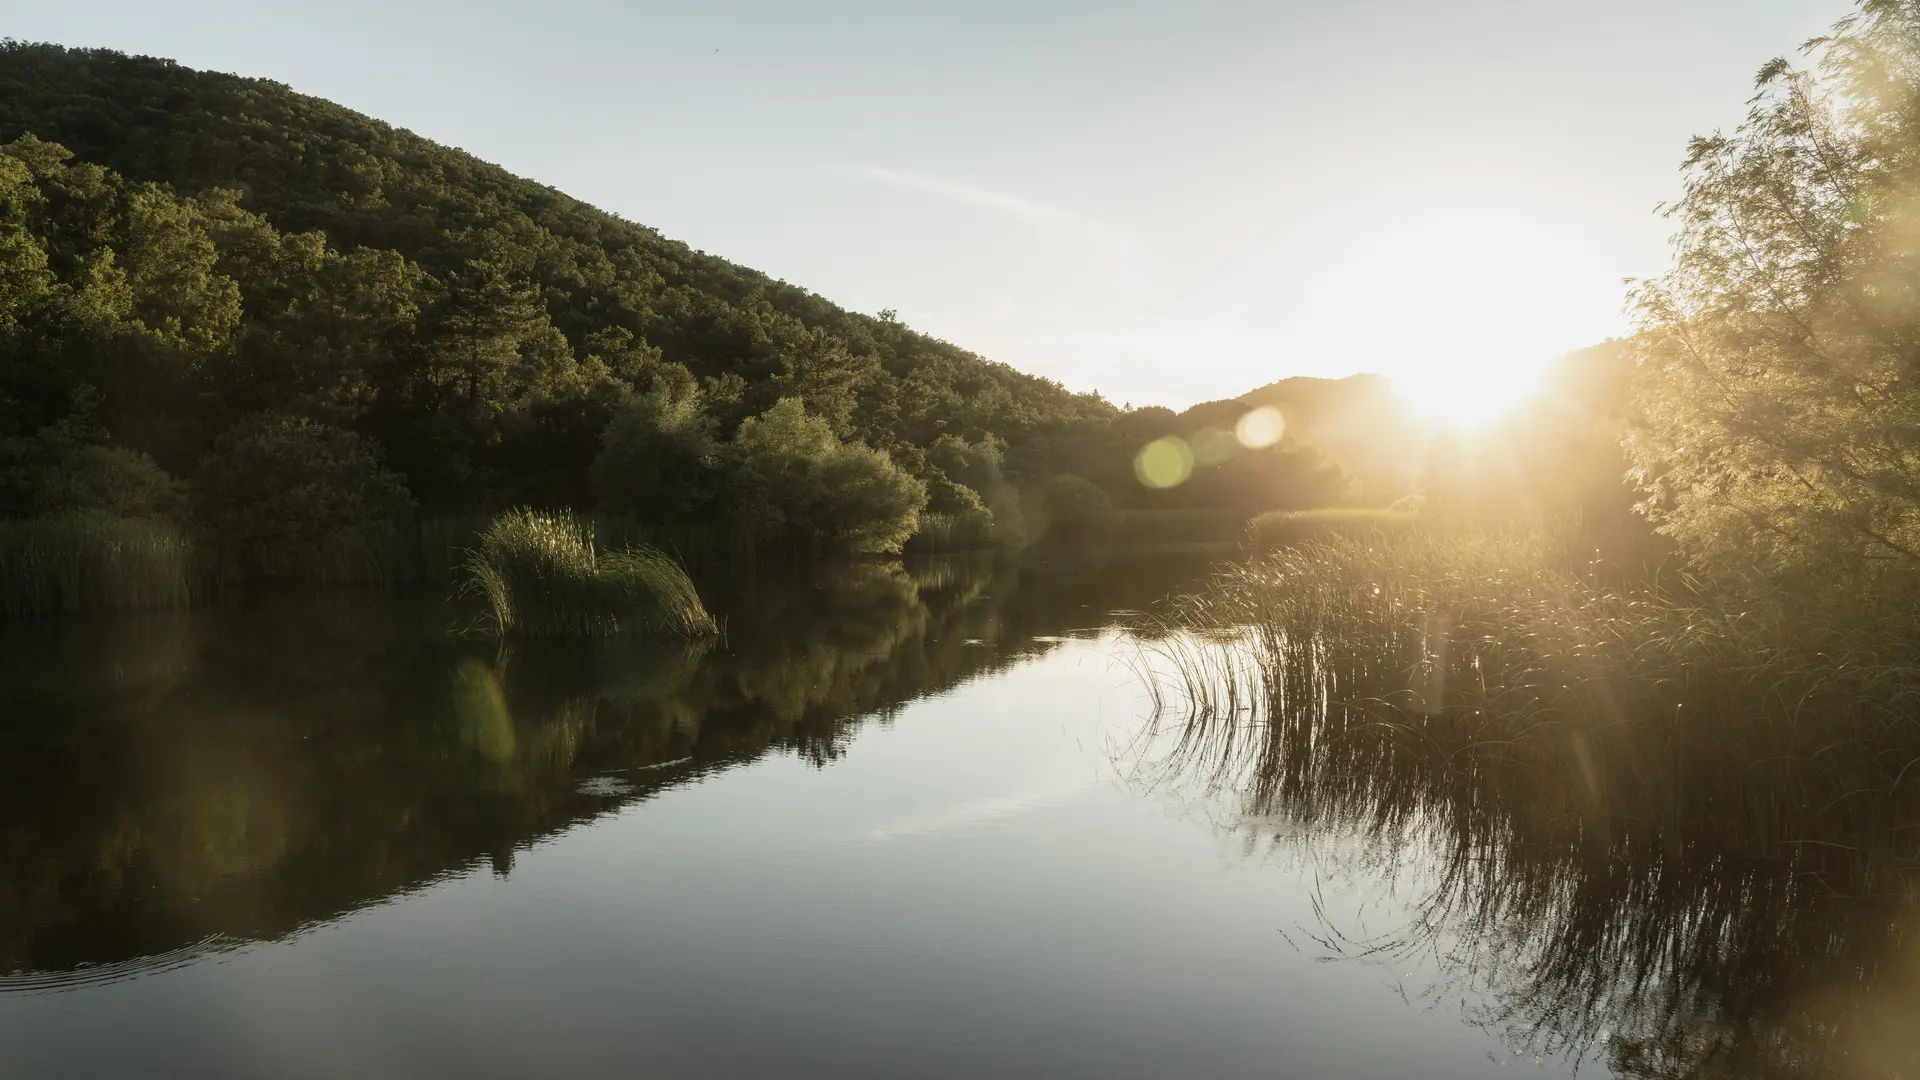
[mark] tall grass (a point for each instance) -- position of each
(1675, 825)
(940, 533)
(542, 575)
(1277, 528)
(86, 562)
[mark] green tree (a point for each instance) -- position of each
(795, 479)
(1777, 385)
(281, 493)
(658, 458)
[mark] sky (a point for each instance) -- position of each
(1168, 202)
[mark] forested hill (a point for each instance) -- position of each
(475, 325)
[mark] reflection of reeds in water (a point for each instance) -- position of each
(1687, 826)
(542, 576)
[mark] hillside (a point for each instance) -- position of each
(546, 295)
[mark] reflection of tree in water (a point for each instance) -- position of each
(1692, 895)
(238, 773)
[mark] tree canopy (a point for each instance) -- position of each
(1779, 379)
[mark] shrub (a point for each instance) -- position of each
(542, 576)
(794, 478)
(68, 468)
(283, 495)
(1077, 509)
(657, 457)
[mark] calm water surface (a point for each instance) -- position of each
(904, 821)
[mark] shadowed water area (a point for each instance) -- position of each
(920, 819)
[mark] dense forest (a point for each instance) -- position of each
(226, 303)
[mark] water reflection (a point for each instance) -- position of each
(180, 782)
(1671, 896)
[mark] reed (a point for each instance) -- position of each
(95, 563)
(1278, 528)
(541, 575)
(942, 533)
(1648, 817)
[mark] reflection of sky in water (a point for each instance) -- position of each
(973, 887)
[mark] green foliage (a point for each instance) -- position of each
(61, 470)
(1076, 509)
(658, 459)
(185, 249)
(1776, 367)
(90, 562)
(278, 492)
(796, 480)
(541, 575)
(453, 297)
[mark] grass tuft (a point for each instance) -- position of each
(542, 576)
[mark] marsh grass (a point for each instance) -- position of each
(1277, 528)
(1676, 827)
(542, 575)
(940, 533)
(87, 562)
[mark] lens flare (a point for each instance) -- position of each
(1164, 463)
(1260, 428)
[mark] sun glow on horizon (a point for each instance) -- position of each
(1465, 311)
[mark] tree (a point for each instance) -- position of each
(1778, 382)
(281, 492)
(793, 478)
(658, 457)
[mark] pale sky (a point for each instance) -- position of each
(1165, 201)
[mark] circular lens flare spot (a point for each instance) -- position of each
(1260, 428)
(1164, 463)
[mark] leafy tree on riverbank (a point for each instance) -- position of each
(1777, 374)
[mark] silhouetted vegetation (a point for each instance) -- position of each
(1672, 829)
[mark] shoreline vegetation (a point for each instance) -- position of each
(1652, 765)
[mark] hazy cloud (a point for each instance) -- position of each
(987, 199)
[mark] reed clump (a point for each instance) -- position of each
(542, 575)
(1653, 815)
(93, 562)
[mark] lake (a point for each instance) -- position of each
(914, 819)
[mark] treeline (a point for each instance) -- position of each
(231, 304)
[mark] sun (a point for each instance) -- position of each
(1465, 310)
(1468, 392)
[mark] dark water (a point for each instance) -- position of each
(906, 820)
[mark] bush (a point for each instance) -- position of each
(1077, 509)
(283, 495)
(658, 458)
(794, 478)
(542, 576)
(68, 468)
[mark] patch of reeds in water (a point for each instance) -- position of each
(542, 575)
(1671, 826)
(88, 562)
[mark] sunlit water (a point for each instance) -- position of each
(901, 822)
